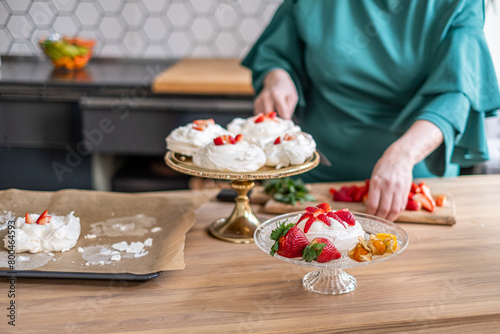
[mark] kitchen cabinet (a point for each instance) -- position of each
(77, 129)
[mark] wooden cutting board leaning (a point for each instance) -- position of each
(444, 215)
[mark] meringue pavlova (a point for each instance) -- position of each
(228, 153)
(188, 139)
(340, 226)
(44, 233)
(290, 149)
(262, 128)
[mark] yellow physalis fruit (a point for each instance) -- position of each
(376, 245)
(393, 240)
(361, 252)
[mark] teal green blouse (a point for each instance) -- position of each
(365, 70)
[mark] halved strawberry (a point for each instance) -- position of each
(44, 218)
(260, 118)
(218, 141)
(290, 240)
(342, 196)
(441, 200)
(424, 200)
(277, 141)
(238, 138)
(202, 124)
(413, 205)
(332, 214)
(346, 216)
(321, 250)
(426, 191)
(29, 219)
(324, 206)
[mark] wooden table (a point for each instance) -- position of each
(447, 280)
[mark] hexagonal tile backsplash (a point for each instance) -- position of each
(138, 28)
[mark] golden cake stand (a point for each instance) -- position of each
(240, 226)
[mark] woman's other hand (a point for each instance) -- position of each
(278, 94)
(391, 177)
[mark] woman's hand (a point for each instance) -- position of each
(391, 177)
(279, 94)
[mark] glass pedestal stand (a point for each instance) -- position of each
(240, 226)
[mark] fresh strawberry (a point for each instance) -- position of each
(231, 140)
(218, 141)
(346, 216)
(334, 216)
(260, 118)
(321, 250)
(324, 206)
(277, 141)
(441, 200)
(290, 240)
(202, 124)
(427, 193)
(413, 205)
(29, 219)
(271, 114)
(342, 196)
(44, 218)
(424, 200)
(238, 138)
(288, 137)
(415, 189)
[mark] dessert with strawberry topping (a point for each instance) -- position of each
(188, 139)
(45, 233)
(290, 149)
(228, 153)
(262, 128)
(340, 227)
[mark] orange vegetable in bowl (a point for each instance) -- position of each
(69, 53)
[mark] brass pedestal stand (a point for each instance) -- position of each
(240, 226)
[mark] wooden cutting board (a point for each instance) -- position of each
(205, 76)
(441, 216)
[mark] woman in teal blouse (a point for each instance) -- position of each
(391, 90)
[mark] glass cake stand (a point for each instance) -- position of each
(330, 277)
(240, 226)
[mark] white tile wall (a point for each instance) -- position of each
(138, 28)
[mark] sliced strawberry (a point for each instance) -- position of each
(29, 219)
(277, 141)
(346, 216)
(218, 141)
(231, 140)
(204, 122)
(426, 191)
(358, 193)
(441, 200)
(199, 128)
(260, 118)
(324, 206)
(309, 222)
(413, 205)
(288, 137)
(424, 200)
(414, 188)
(321, 250)
(332, 191)
(290, 241)
(334, 216)
(271, 114)
(324, 218)
(341, 196)
(238, 138)
(310, 209)
(44, 218)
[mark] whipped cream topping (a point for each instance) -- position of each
(263, 132)
(187, 140)
(290, 152)
(343, 238)
(239, 157)
(59, 235)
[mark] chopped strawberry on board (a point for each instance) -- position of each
(321, 250)
(290, 240)
(44, 218)
(413, 205)
(424, 200)
(441, 200)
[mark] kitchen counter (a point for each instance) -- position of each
(447, 280)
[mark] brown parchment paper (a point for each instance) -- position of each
(173, 212)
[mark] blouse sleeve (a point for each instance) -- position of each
(279, 46)
(459, 92)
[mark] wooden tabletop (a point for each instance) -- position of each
(447, 280)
